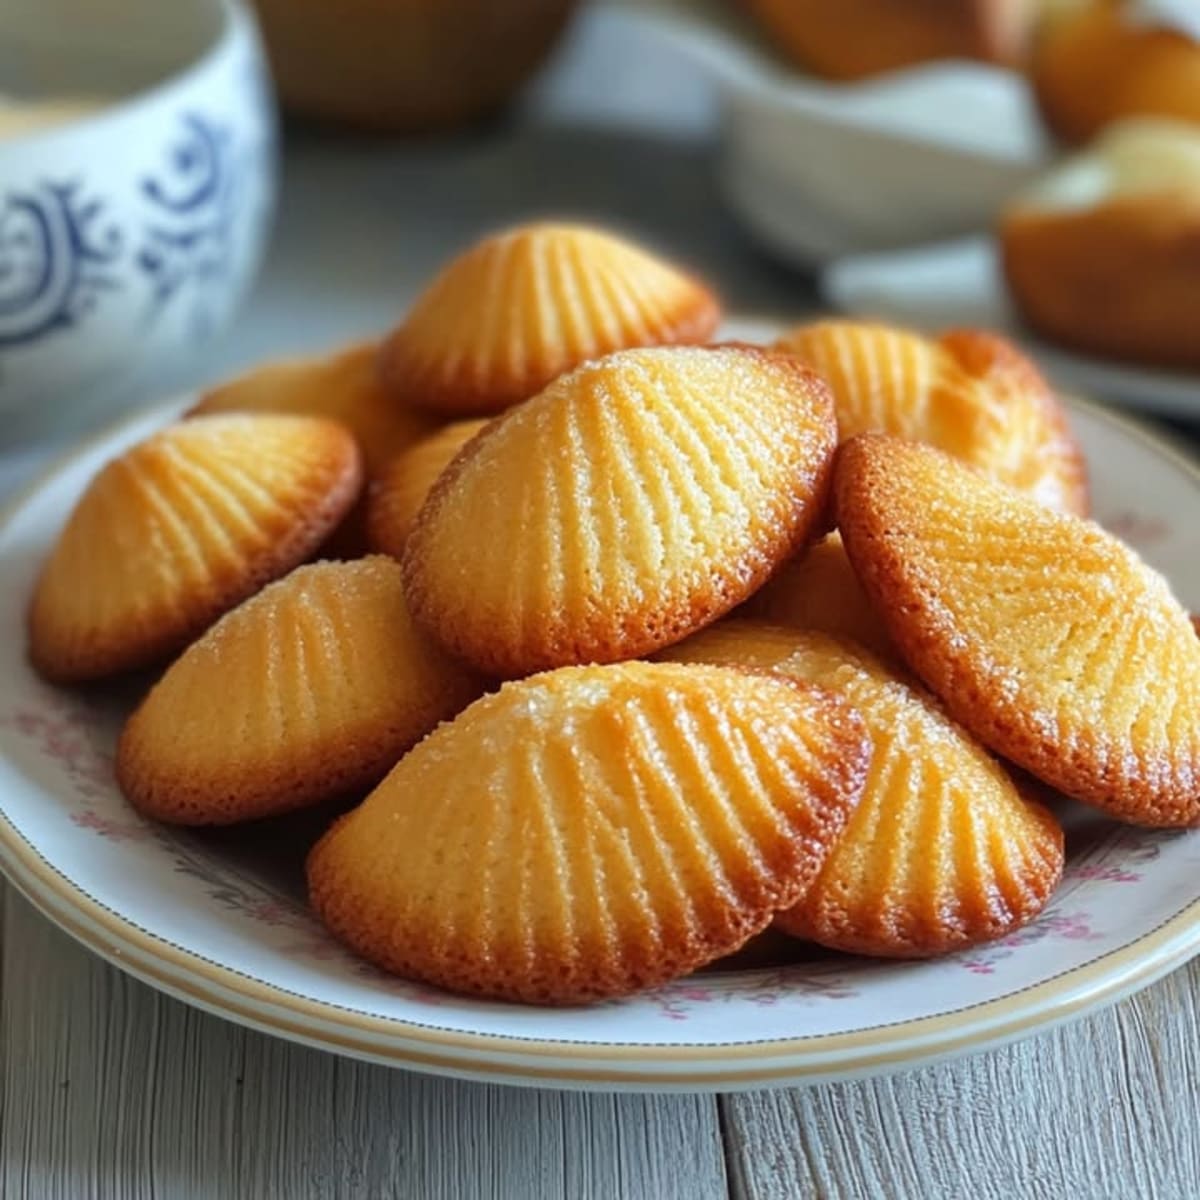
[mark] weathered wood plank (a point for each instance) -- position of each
(1106, 1108)
(111, 1090)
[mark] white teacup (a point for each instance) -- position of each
(131, 228)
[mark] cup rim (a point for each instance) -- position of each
(236, 25)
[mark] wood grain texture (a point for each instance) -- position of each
(112, 1090)
(1105, 1109)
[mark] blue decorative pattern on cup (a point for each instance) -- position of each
(129, 236)
(57, 259)
(58, 256)
(188, 238)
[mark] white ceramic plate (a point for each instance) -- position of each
(959, 283)
(223, 925)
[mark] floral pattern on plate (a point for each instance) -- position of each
(227, 918)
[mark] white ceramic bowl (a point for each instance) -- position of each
(131, 233)
(817, 170)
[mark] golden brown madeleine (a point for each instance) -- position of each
(969, 393)
(631, 502)
(344, 386)
(819, 590)
(593, 830)
(521, 307)
(1045, 636)
(309, 690)
(1097, 64)
(1037, 451)
(854, 39)
(1101, 254)
(180, 528)
(1109, 281)
(942, 851)
(1076, 58)
(396, 497)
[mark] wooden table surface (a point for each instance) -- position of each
(112, 1090)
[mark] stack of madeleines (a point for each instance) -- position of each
(639, 644)
(1088, 62)
(1100, 254)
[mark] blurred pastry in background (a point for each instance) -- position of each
(1103, 254)
(1097, 62)
(858, 38)
(405, 65)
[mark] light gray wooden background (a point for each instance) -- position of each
(113, 1090)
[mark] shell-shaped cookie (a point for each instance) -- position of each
(180, 528)
(593, 830)
(521, 307)
(942, 851)
(628, 504)
(819, 590)
(396, 497)
(1043, 634)
(969, 393)
(309, 690)
(344, 386)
